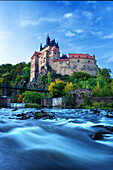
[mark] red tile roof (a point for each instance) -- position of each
(36, 53)
(54, 48)
(73, 55)
(66, 59)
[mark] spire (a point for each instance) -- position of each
(57, 45)
(41, 47)
(47, 40)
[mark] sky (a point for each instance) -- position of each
(78, 26)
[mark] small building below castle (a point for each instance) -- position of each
(48, 59)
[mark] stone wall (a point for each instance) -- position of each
(46, 102)
(75, 65)
(106, 100)
(52, 102)
(5, 102)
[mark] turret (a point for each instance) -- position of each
(41, 47)
(47, 40)
(57, 45)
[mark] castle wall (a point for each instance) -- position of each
(75, 65)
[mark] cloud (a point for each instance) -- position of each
(98, 19)
(98, 33)
(87, 14)
(2, 36)
(110, 36)
(100, 46)
(28, 21)
(109, 8)
(68, 15)
(66, 3)
(70, 34)
(62, 30)
(79, 30)
(110, 59)
(91, 2)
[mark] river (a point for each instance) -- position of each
(64, 142)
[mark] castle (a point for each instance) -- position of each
(48, 58)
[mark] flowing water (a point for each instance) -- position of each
(64, 142)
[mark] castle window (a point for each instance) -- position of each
(79, 56)
(73, 56)
(54, 52)
(50, 53)
(84, 66)
(41, 62)
(88, 61)
(60, 62)
(78, 61)
(74, 67)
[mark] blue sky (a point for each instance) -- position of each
(78, 26)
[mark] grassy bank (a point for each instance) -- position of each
(100, 105)
(33, 105)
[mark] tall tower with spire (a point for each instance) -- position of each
(41, 47)
(47, 40)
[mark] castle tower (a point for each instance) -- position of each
(34, 66)
(41, 47)
(47, 40)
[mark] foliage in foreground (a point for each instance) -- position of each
(32, 105)
(99, 105)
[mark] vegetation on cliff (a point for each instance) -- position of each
(58, 85)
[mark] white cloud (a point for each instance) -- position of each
(110, 59)
(66, 3)
(63, 30)
(98, 19)
(98, 33)
(91, 2)
(79, 30)
(2, 36)
(87, 14)
(109, 8)
(68, 15)
(70, 34)
(110, 36)
(28, 21)
(100, 46)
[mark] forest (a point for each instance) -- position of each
(58, 85)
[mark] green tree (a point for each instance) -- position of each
(105, 72)
(33, 97)
(57, 88)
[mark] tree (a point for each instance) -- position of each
(26, 73)
(49, 78)
(68, 87)
(105, 72)
(32, 96)
(57, 88)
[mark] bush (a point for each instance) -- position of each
(32, 105)
(69, 101)
(87, 102)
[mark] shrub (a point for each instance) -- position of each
(32, 105)
(87, 101)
